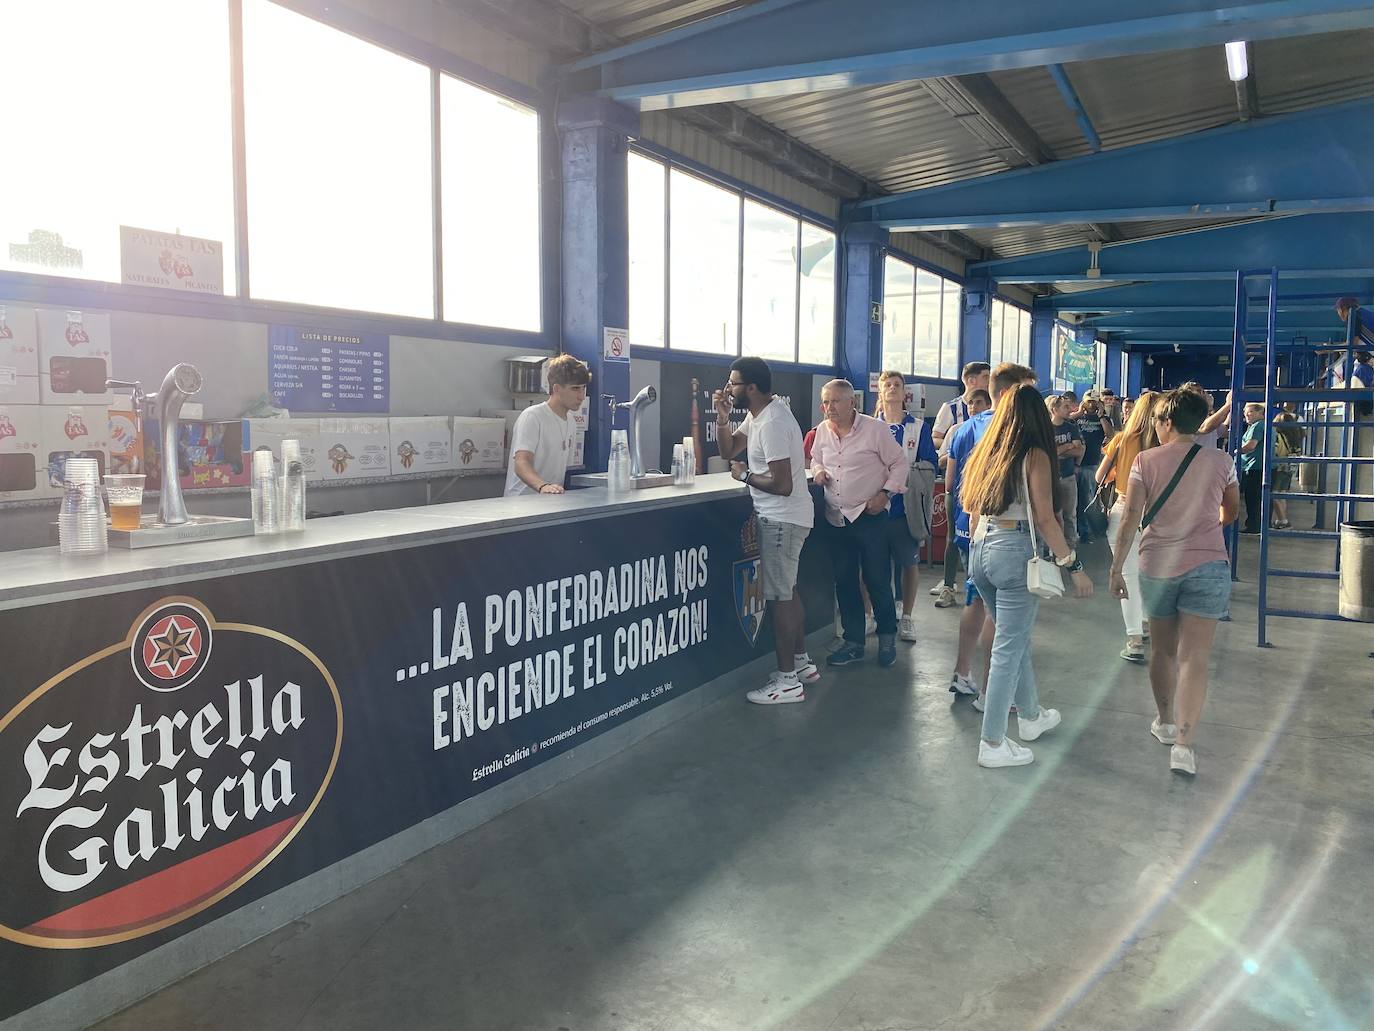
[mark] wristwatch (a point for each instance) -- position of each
(743, 477)
(1068, 561)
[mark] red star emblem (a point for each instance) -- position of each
(171, 647)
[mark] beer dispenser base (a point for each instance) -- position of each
(152, 534)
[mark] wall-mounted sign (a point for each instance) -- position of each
(170, 261)
(315, 370)
(875, 313)
(615, 344)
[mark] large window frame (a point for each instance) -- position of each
(1002, 316)
(938, 348)
(241, 304)
(660, 345)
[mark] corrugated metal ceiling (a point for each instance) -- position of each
(630, 18)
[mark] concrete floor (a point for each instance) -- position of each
(844, 865)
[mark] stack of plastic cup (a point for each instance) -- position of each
(679, 469)
(689, 461)
(292, 484)
(81, 526)
(266, 494)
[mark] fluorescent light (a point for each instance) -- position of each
(1237, 66)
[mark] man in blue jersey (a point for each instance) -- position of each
(951, 415)
(962, 441)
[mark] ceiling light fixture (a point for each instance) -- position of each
(1237, 64)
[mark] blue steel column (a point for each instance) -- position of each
(977, 346)
(1237, 403)
(1042, 347)
(1267, 443)
(596, 256)
(1134, 374)
(861, 340)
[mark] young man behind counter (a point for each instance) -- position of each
(541, 441)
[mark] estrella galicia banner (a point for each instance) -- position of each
(685, 391)
(170, 755)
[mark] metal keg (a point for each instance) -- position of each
(1357, 571)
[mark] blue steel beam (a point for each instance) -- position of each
(1201, 297)
(1302, 247)
(1250, 169)
(1070, 95)
(813, 45)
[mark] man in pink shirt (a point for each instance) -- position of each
(861, 466)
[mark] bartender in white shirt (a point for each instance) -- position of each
(542, 441)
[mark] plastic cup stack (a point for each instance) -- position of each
(689, 461)
(292, 484)
(81, 526)
(266, 494)
(679, 469)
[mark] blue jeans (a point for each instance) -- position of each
(858, 548)
(1090, 523)
(999, 571)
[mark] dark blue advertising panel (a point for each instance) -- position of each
(315, 370)
(170, 755)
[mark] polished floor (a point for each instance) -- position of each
(843, 865)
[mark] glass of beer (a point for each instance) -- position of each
(124, 491)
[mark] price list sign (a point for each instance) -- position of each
(313, 370)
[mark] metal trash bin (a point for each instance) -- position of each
(1357, 571)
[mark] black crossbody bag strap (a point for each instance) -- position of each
(1182, 468)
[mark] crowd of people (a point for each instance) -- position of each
(1028, 480)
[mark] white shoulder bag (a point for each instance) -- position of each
(1043, 579)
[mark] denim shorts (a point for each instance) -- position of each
(780, 546)
(901, 545)
(1204, 591)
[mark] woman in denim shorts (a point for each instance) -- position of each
(1185, 571)
(1017, 448)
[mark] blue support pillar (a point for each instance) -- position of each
(1135, 374)
(1114, 358)
(861, 342)
(977, 308)
(1042, 347)
(595, 260)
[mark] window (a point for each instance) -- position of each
(1008, 333)
(489, 148)
(921, 321)
(648, 181)
(899, 295)
(816, 320)
(769, 327)
(1125, 389)
(1100, 361)
(104, 132)
(703, 292)
(340, 185)
(742, 276)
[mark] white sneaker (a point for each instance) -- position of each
(906, 629)
(961, 684)
(1008, 753)
(1032, 729)
(945, 598)
(805, 669)
(781, 689)
(1165, 733)
(870, 625)
(980, 702)
(1182, 759)
(935, 591)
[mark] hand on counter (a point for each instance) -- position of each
(738, 469)
(551, 488)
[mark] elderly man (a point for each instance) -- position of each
(861, 467)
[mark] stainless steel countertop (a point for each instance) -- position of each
(43, 575)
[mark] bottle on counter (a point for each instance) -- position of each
(266, 494)
(292, 487)
(81, 528)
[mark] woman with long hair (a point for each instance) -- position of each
(1182, 494)
(1017, 452)
(1136, 436)
(1288, 441)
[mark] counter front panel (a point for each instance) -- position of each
(170, 754)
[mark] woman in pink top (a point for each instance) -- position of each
(1181, 495)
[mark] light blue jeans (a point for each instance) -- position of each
(998, 566)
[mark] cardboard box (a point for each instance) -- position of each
(422, 444)
(76, 431)
(23, 473)
(209, 454)
(73, 357)
(269, 433)
(18, 356)
(479, 443)
(352, 449)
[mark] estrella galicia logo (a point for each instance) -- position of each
(747, 582)
(171, 647)
(156, 776)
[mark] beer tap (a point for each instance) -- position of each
(181, 382)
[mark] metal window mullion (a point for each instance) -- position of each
(667, 250)
(796, 300)
(739, 281)
(238, 145)
(436, 194)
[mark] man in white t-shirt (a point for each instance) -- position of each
(775, 472)
(542, 441)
